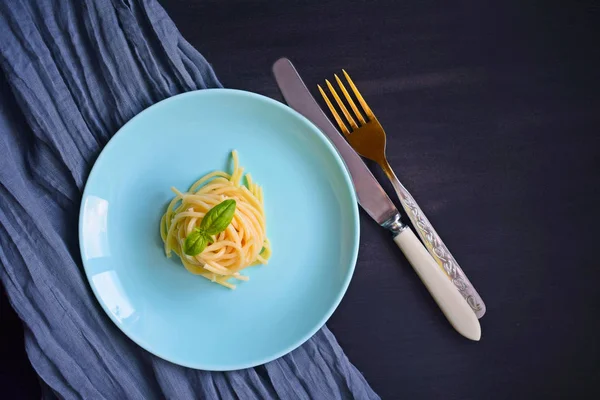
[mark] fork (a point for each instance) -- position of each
(368, 139)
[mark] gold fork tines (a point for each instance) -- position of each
(340, 103)
(365, 108)
(339, 121)
(350, 101)
(366, 136)
(362, 101)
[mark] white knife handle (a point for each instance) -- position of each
(445, 294)
(433, 242)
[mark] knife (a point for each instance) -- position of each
(373, 199)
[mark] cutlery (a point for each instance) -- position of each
(378, 205)
(367, 138)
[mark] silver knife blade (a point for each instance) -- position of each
(371, 195)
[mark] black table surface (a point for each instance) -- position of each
(493, 113)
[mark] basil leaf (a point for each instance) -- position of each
(219, 217)
(195, 243)
(209, 239)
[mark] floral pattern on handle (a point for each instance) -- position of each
(438, 249)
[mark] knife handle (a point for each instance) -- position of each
(435, 245)
(446, 295)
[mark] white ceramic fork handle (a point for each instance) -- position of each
(445, 294)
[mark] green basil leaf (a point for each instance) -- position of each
(209, 239)
(219, 217)
(195, 243)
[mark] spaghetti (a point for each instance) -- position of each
(242, 244)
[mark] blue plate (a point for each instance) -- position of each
(312, 222)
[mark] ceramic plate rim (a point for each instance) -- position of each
(349, 186)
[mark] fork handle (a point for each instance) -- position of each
(445, 294)
(434, 244)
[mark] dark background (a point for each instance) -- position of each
(493, 113)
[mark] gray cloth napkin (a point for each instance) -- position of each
(73, 72)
